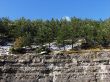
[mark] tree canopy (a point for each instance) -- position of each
(95, 32)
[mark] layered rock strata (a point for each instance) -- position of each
(92, 66)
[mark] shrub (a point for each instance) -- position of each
(18, 51)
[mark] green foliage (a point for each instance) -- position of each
(25, 32)
(17, 51)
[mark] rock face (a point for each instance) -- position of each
(77, 67)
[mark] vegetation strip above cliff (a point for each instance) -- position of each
(24, 32)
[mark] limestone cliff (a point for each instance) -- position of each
(91, 66)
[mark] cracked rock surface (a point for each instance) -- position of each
(76, 67)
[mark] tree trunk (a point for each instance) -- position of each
(49, 45)
(64, 44)
(72, 44)
(59, 47)
(42, 43)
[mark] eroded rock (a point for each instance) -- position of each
(75, 67)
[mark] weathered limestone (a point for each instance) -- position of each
(77, 67)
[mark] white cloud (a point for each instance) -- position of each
(66, 18)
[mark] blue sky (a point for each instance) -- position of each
(46, 9)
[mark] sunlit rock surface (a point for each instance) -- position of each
(90, 66)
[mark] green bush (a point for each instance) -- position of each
(18, 51)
